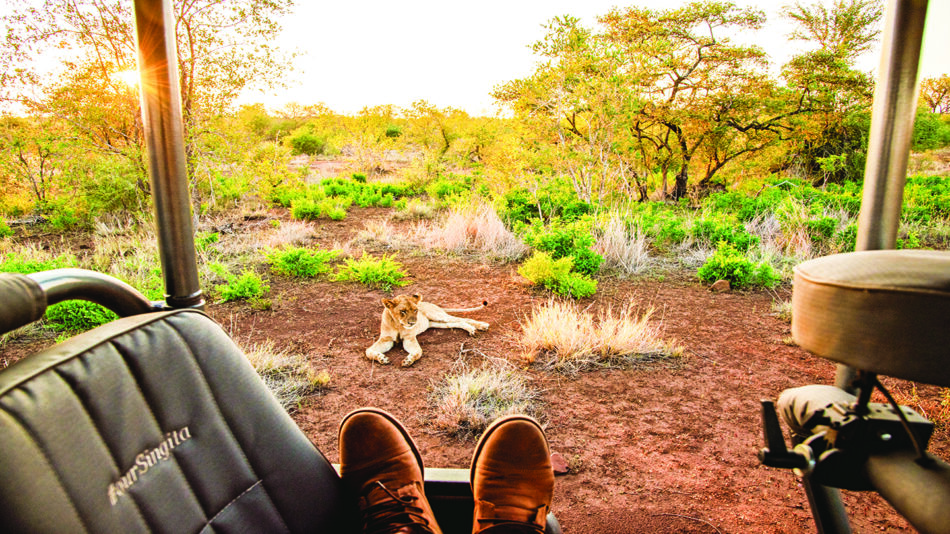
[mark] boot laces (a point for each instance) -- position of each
(390, 515)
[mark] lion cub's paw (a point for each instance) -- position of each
(480, 325)
(377, 357)
(411, 359)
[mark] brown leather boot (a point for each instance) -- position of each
(381, 466)
(512, 478)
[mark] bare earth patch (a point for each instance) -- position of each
(667, 448)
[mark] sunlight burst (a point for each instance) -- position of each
(128, 77)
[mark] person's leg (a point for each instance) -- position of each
(512, 478)
(381, 467)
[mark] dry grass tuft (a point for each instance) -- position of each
(417, 209)
(564, 339)
(623, 249)
(289, 376)
(782, 309)
(288, 233)
(464, 403)
(471, 229)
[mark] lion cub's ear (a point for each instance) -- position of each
(416, 298)
(389, 303)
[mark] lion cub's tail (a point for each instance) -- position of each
(463, 310)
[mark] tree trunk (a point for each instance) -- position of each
(679, 186)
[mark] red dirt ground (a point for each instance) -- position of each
(665, 448)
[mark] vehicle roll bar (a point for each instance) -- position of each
(164, 138)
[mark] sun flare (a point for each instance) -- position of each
(128, 77)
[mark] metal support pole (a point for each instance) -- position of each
(892, 128)
(164, 138)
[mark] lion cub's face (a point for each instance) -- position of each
(404, 309)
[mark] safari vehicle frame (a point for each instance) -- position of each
(860, 445)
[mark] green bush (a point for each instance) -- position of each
(285, 195)
(449, 186)
(931, 131)
(310, 209)
(393, 131)
(77, 316)
(384, 273)
(204, 240)
(300, 262)
(553, 200)
(557, 275)
(723, 227)
(561, 240)
(17, 262)
(248, 286)
(5, 230)
(727, 263)
(304, 141)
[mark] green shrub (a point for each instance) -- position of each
(555, 199)
(445, 187)
(204, 240)
(821, 230)
(5, 230)
(557, 275)
(23, 263)
(393, 131)
(718, 228)
(359, 177)
(248, 286)
(300, 262)
(384, 273)
(846, 238)
(304, 141)
(562, 240)
(727, 263)
(77, 316)
(285, 195)
(308, 208)
(63, 218)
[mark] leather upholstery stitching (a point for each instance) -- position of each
(148, 406)
(49, 463)
(95, 426)
(227, 423)
(234, 500)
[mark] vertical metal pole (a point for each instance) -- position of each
(892, 129)
(164, 138)
(892, 125)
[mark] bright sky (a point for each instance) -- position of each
(360, 53)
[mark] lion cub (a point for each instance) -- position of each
(405, 317)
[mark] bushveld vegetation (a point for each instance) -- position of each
(648, 143)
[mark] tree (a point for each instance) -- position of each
(223, 48)
(831, 91)
(935, 94)
(655, 91)
(32, 157)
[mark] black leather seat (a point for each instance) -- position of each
(155, 423)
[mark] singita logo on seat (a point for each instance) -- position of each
(145, 460)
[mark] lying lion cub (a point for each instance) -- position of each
(405, 317)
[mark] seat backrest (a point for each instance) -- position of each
(155, 422)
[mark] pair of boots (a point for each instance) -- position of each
(512, 478)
